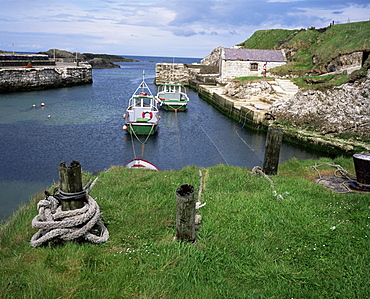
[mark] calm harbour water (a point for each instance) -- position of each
(85, 125)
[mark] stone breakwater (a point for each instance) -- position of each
(38, 78)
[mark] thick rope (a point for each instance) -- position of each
(344, 174)
(198, 204)
(53, 223)
(258, 170)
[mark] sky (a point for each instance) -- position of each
(168, 28)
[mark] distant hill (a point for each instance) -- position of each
(96, 60)
(309, 51)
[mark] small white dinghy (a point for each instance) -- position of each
(140, 164)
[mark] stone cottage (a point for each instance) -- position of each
(222, 65)
(235, 62)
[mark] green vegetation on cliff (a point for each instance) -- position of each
(310, 51)
(298, 240)
(268, 39)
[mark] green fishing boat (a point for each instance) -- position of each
(172, 96)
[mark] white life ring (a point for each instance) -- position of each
(143, 115)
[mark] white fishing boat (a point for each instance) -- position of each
(172, 96)
(142, 114)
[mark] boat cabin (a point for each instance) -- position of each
(141, 108)
(172, 91)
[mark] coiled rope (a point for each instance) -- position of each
(339, 172)
(53, 223)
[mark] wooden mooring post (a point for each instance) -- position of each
(274, 139)
(185, 213)
(72, 195)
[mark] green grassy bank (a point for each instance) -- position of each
(298, 240)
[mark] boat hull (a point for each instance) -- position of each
(140, 164)
(141, 129)
(172, 106)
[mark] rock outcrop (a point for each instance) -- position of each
(243, 91)
(340, 110)
(213, 58)
(99, 63)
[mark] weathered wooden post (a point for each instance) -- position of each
(274, 139)
(71, 184)
(185, 213)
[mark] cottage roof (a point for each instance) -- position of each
(254, 55)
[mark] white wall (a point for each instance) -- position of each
(231, 69)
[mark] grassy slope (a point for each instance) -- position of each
(338, 39)
(253, 243)
(267, 39)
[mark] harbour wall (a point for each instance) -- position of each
(241, 113)
(254, 117)
(185, 73)
(38, 78)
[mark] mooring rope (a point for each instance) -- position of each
(245, 117)
(214, 145)
(133, 145)
(178, 139)
(53, 223)
(258, 170)
(198, 204)
(138, 139)
(173, 108)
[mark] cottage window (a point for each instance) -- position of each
(254, 66)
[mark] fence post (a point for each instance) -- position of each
(185, 213)
(71, 182)
(274, 139)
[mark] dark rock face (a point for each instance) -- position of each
(353, 59)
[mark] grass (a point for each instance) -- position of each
(320, 82)
(251, 79)
(268, 39)
(254, 242)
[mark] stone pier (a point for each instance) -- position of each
(14, 79)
